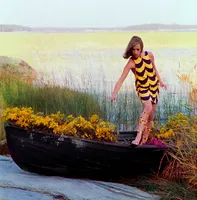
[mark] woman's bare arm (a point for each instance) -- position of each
(130, 65)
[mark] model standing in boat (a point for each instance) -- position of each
(147, 82)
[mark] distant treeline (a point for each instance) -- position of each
(142, 27)
(161, 27)
(13, 28)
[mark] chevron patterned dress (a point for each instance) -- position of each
(146, 81)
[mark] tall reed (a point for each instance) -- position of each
(49, 98)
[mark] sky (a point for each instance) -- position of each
(97, 13)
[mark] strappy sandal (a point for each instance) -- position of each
(144, 139)
(145, 136)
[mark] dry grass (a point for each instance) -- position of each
(167, 190)
(193, 97)
(182, 165)
(191, 79)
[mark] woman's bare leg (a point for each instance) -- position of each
(149, 124)
(143, 121)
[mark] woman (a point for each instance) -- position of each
(147, 82)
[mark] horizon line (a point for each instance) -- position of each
(99, 27)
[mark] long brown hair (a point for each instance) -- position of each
(134, 41)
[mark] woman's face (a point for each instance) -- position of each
(136, 51)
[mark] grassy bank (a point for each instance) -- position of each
(87, 65)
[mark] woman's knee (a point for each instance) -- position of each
(148, 109)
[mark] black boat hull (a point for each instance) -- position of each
(75, 157)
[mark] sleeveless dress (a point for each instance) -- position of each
(146, 81)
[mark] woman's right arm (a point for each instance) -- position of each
(130, 65)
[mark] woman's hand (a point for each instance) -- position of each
(113, 98)
(163, 85)
(130, 65)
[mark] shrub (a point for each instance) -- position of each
(93, 128)
(180, 132)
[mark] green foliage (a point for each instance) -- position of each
(49, 98)
(166, 190)
(125, 112)
(174, 190)
(180, 132)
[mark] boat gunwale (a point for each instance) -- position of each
(118, 144)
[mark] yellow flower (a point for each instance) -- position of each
(57, 123)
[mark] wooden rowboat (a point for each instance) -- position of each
(51, 154)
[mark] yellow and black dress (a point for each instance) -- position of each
(146, 81)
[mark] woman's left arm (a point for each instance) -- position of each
(161, 83)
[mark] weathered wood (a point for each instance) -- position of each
(70, 156)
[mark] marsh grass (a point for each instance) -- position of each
(172, 104)
(180, 133)
(85, 95)
(183, 162)
(177, 181)
(126, 111)
(175, 191)
(49, 98)
(88, 98)
(167, 190)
